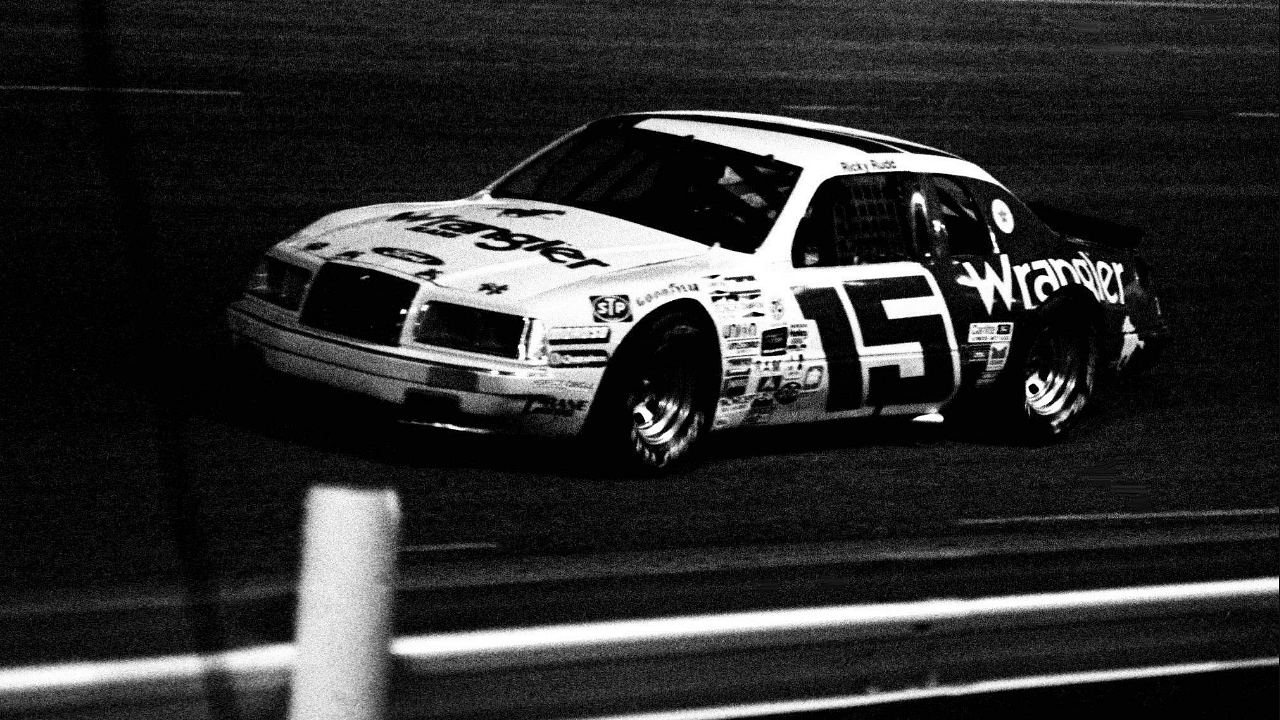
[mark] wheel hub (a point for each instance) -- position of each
(1052, 371)
(660, 409)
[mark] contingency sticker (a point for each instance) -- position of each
(996, 360)
(990, 332)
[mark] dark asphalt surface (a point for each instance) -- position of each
(130, 220)
(477, 592)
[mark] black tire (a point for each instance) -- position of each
(657, 398)
(1053, 374)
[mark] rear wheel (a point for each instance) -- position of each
(1055, 375)
(657, 399)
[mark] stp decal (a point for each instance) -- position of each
(611, 308)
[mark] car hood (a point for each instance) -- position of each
(512, 248)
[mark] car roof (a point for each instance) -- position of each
(811, 145)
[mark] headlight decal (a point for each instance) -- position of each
(279, 282)
(474, 330)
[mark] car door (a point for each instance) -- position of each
(859, 278)
(973, 235)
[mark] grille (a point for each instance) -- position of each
(359, 303)
(464, 328)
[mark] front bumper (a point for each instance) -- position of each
(443, 388)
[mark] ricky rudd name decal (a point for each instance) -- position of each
(1035, 280)
(493, 237)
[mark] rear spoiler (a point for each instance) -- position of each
(1085, 227)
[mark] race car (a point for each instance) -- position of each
(652, 277)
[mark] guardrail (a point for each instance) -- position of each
(591, 669)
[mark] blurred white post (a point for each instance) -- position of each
(343, 630)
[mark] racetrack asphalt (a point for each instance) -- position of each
(131, 219)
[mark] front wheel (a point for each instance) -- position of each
(657, 398)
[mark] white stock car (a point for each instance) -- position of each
(654, 276)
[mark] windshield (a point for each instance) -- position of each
(696, 190)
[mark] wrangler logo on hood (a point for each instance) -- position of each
(496, 238)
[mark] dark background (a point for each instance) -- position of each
(129, 221)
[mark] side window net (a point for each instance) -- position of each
(854, 220)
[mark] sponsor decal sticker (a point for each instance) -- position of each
(428, 274)
(813, 378)
(736, 331)
(996, 360)
(312, 247)
(734, 387)
(738, 366)
(492, 288)
(492, 237)
(578, 358)
(774, 341)
(1131, 343)
(976, 353)
(769, 383)
(349, 254)
(761, 408)
(1000, 213)
(563, 407)
(737, 303)
(716, 281)
(741, 347)
(788, 393)
(611, 308)
(526, 212)
(407, 255)
(768, 366)
(578, 335)
(990, 332)
(868, 166)
(798, 337)
(563, 384)
(1035, 280)
(672, 289)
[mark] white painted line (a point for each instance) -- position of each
(475, 644)
(1173, 4)
(446, 547)
(1256, 114)
(1171, 514)
(788, 707)
(92, 681)
(53, 679)
(127, 90)
(825, 107)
